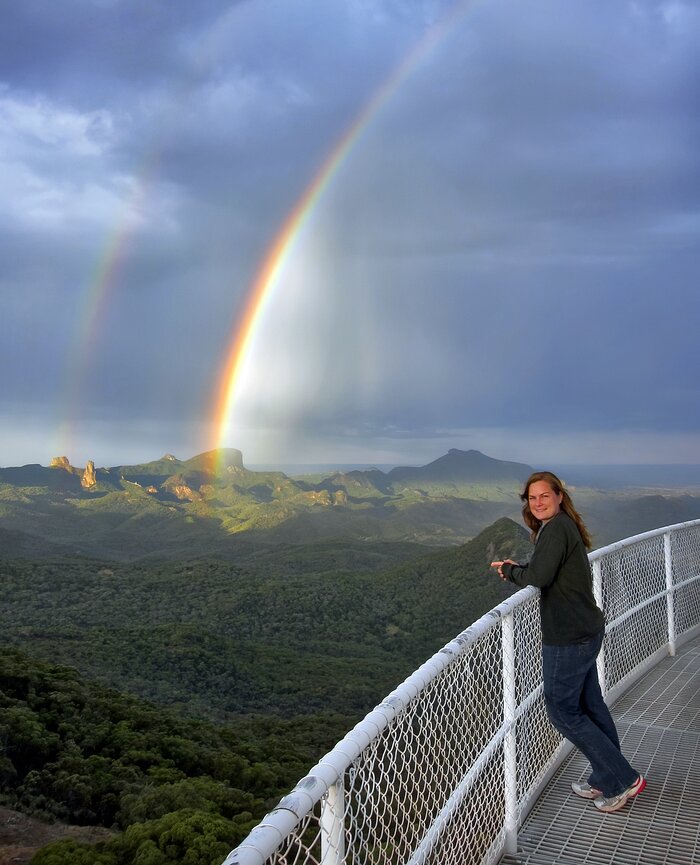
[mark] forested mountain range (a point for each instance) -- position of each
(212, 504)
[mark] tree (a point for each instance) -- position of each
(68, 852)
(185, 837)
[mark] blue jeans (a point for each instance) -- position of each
(576, 708)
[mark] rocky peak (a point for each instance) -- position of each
(60, 463)
(180, 488)
(89, 478)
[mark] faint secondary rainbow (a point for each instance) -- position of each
(278, 254)
(104, 276)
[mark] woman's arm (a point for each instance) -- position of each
(547, 559)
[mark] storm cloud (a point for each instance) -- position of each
(506, 259)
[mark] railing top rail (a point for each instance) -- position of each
(626, 542)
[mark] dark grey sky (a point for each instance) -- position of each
(507, 258)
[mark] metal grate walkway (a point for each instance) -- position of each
(659, 724)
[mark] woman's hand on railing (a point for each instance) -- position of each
(499, 567)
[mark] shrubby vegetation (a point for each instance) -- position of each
(173, 790)
(289, 631)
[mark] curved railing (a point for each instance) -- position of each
(446, 768)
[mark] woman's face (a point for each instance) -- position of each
(543, 501)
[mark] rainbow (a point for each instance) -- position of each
(278, 254)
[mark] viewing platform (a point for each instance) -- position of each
(460, 765)
(658, 720)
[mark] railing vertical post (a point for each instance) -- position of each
(332, 821)
(670, 596)
(510, 764)
(598, 595)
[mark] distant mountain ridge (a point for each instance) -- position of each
(467, 466)
(212, 504)
(225, 468)
(470, 465)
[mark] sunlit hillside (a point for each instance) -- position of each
(213, 504)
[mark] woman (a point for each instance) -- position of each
(572, 635)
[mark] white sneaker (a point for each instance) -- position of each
(585, 791)
(614, 803)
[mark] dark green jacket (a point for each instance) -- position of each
(559, 568)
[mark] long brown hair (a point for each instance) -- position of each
(567, 506)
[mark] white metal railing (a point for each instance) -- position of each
(446, 768)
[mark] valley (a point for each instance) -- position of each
(182, 640)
